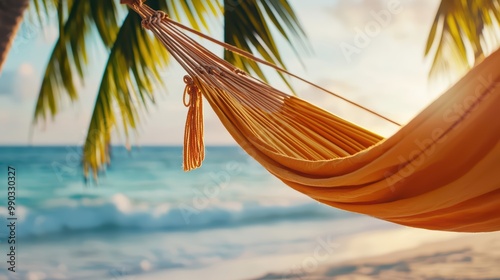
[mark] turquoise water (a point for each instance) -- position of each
(145, 215)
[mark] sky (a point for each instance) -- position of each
(369, 51)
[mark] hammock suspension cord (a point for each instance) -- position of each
(439, 171)
(160, 15)
(257, 106)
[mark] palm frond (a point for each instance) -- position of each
(135, 58)
(127, 86)
(105, 17)
(195, 11)
(70, 52)
(463, 32)
(246, 27)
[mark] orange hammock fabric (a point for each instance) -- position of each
(441, 171)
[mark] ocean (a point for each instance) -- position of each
(144, 216)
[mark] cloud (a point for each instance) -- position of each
(19, 85)
(388, 76)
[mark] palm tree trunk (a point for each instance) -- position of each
(11, 14)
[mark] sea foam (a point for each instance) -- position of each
(120, 212)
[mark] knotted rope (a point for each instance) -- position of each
(264, 114)
(194, 146)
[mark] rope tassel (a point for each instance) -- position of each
(194, 146)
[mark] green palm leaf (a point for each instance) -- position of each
(246, 27)
(134, 62)
(135, 58)
(463, 32)
(70, 51)
(197, 12)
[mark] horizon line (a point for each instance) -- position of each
(13, 145)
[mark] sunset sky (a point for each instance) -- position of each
(387, 73)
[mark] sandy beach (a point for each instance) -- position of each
(398, 253)
(454, 256)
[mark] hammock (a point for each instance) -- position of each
(440, 171)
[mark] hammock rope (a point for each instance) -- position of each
(216, 77)
(155, 16)
(194, 147)
(439, 171)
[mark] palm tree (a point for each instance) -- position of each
(135, 59)
(463, 33)
(11, 14)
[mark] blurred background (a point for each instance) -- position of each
(141, 216)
